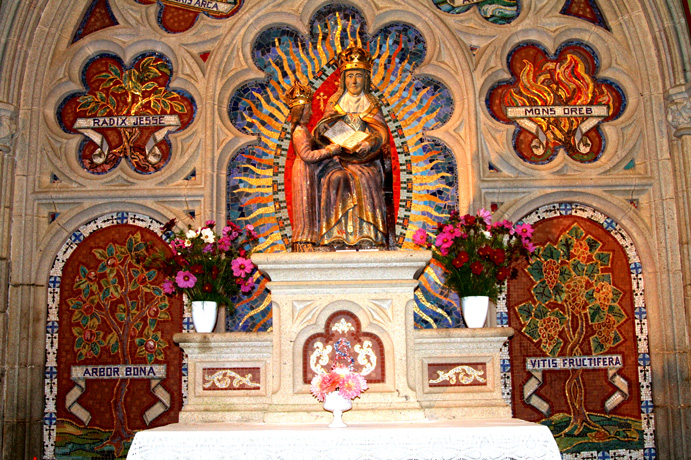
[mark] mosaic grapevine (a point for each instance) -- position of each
(579, 362)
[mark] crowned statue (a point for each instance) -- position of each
(352, 205)
(339, 171)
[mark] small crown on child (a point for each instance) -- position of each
(354, 57)
(298, 94)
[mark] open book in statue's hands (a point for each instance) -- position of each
(344, 135)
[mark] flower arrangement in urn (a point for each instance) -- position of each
(341, 379)
(207, 266)
(337, 388)
(476, 254)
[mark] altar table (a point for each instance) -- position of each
(485, 439)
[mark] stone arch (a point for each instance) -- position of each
(33, 37)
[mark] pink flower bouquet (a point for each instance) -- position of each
(349, 384)
(476, 254)
(209, 266)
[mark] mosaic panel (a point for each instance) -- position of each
(579, 362)
(176, 16)
(587, 10)
(424, 171)
(341, 342)
(231, 378)
(97, 17)
(556, 102)
(494, 11)
(126, 112)
(441, 375)
(111, 326)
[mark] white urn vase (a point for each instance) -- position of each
(334, 402)
(204, 314)
(474, 309)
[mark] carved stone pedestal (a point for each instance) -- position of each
(360, 303)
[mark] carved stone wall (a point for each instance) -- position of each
(221, 158)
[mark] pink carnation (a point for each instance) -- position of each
(352, 385)
(322, 384)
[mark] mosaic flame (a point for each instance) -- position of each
(563, 103)
(558, 83)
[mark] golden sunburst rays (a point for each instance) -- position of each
(430, 302)
(432, 177)
(412, 106)
(257, 303)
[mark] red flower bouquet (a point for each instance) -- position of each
(476, 254)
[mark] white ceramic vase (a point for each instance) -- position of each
(204, 315)
(474, 309)
(334, 402)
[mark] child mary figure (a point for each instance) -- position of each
(308, 158)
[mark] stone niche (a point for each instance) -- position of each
(325, 303)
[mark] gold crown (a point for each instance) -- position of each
(354, 57)
(298, 94)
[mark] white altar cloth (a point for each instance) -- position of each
(458, 440)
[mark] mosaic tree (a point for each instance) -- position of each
(126, 112)
(117, 312)
(576, 307)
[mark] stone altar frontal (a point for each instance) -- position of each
(321, 301)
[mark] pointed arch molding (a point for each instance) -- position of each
(577, 278)
(418, 108)
(79, 385)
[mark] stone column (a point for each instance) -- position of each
(679, 116)
(673, 402)
(8, 133)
